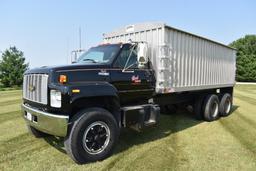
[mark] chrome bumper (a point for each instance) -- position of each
(46, 122)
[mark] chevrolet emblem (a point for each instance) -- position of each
(31, 88)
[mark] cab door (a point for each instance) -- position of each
(133, 84)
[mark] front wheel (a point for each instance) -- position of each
(93, 136)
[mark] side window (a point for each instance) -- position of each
(123, 57)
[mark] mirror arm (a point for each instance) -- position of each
(125, 69)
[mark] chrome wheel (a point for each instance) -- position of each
(215, 109)
(96, 137)
(227, 106)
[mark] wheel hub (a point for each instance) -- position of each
(227, 106)
(214, 110)
(96, 137)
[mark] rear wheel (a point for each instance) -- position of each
(36, 133)
(225, 104)
(93, 136)
(211, 108)
(198, 108)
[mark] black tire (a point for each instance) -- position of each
(211, 108)
(36, 133)
(198, 108)
(81, 127)
(226, 103)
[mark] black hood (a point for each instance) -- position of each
(50, 69)
(74, 72)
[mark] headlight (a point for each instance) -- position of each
(55, 98)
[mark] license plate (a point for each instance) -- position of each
(29, 116)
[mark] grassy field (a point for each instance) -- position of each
(178, 143)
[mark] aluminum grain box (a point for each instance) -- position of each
(182, 61)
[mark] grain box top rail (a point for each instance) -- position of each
(152, 25)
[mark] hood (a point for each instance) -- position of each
(50, 69)
(75, 72)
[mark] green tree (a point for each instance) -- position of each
(12, 67)
(246, 58)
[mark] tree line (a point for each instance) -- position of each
(13, 64)
(12, 67)
(246, 58)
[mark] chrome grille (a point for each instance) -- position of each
(35, 87)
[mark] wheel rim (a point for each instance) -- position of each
(96, 137)
(227, 106)
(214, 110)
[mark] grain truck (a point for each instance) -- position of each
(137, 71)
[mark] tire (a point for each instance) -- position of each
(36, 133)
(226, 104)
(93, 135)
(211, 108)
(198, 108)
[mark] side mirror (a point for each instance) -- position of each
(142, 55)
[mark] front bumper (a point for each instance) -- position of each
(46, 122)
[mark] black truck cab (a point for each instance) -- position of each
(107, 86)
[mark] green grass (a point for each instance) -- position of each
(178, 143)
(9, 88)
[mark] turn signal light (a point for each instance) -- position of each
(63, 79)
(75, 91)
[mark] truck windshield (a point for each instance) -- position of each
(99, 54)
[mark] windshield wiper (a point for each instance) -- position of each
(92, 60)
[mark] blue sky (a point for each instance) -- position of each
(46, 31)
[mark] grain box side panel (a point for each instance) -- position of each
(198, 63)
